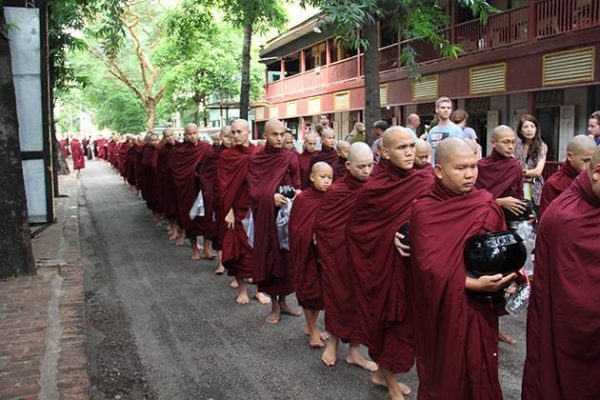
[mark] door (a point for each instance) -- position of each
(549, 118)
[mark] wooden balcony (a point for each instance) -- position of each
(543, 19)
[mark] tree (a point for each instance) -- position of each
(138, 20)
(16, 256)
(252, 17)
(355, 23)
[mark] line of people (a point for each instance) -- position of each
(379, 248)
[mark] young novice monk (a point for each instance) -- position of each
(303, 251)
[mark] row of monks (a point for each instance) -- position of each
(405, 296)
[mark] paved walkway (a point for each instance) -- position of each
(42, 321)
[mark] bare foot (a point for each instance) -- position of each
(287, 310)
(195, 254)
(378, 380)
(505, 338)
(220, 270)
(173, 236)
(273, 317)
(233, 284)
(315, 340)
(355, 358)
(329, 356)
(322, 334)
(262, 298)
(180, 241)
(243, 298)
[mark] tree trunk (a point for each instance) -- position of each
(16, 256)
(371, 67)
(150, 106)
(245, 90)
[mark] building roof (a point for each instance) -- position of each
(293, 33)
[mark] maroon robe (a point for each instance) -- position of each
(427, 167)
(101, 146)
(64, 147)
(129, 165)
(501, 176)
(303, 252)
(233, 194)
(185, 162)
(339, 168)
(556, 184)
(304, 162)
(456, 336)
(167, 200)
(383, 317)
(267, 170)
(563, 319)
(77, 154)
(326, 154)
(208, 183)
(336, 272)
(148, 163)
(137, 169)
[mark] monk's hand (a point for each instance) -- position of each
(513, 205)
(403, 249)
(314, 239)
(280, 200)
(489, 283)
(230, 219)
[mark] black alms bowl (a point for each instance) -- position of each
(510, 217)
(404, 230)
(287, 191)
(495, 253)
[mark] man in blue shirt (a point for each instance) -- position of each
(444, 128)
(594, 127)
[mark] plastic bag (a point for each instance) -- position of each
(282, 221)
(527, 231)
(197, 209)
(248, 224)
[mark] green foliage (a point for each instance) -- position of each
(414, 19)
(262, 15)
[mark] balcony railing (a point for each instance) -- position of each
(552, 17)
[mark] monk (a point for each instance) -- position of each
(336, 272)
(224, 141)
(456, 334)
(303, 252)
(167, 201)
(327, 153)
(383, 316)
(148, 166)
(563, 319)
(579, 153)
(501, 173)
(78, 156)
(268, 170)
(304, 158)
(236, 209)
(423, 155)
(339, 165)
(185, 165)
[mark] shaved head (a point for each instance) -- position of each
(581, 143)
(310, 142)
(328, 138)
(274, 132)
(191, 127)
(190, 133)
(447, 148)
(274, 124)
(343, 148)
(321, 166)
(422, 145)
(456, 165)
(359, 150)
(242, 123)
(288, 141)
(360, 161)
(500, 131)
(399, 147)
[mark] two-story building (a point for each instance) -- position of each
(537, 56)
